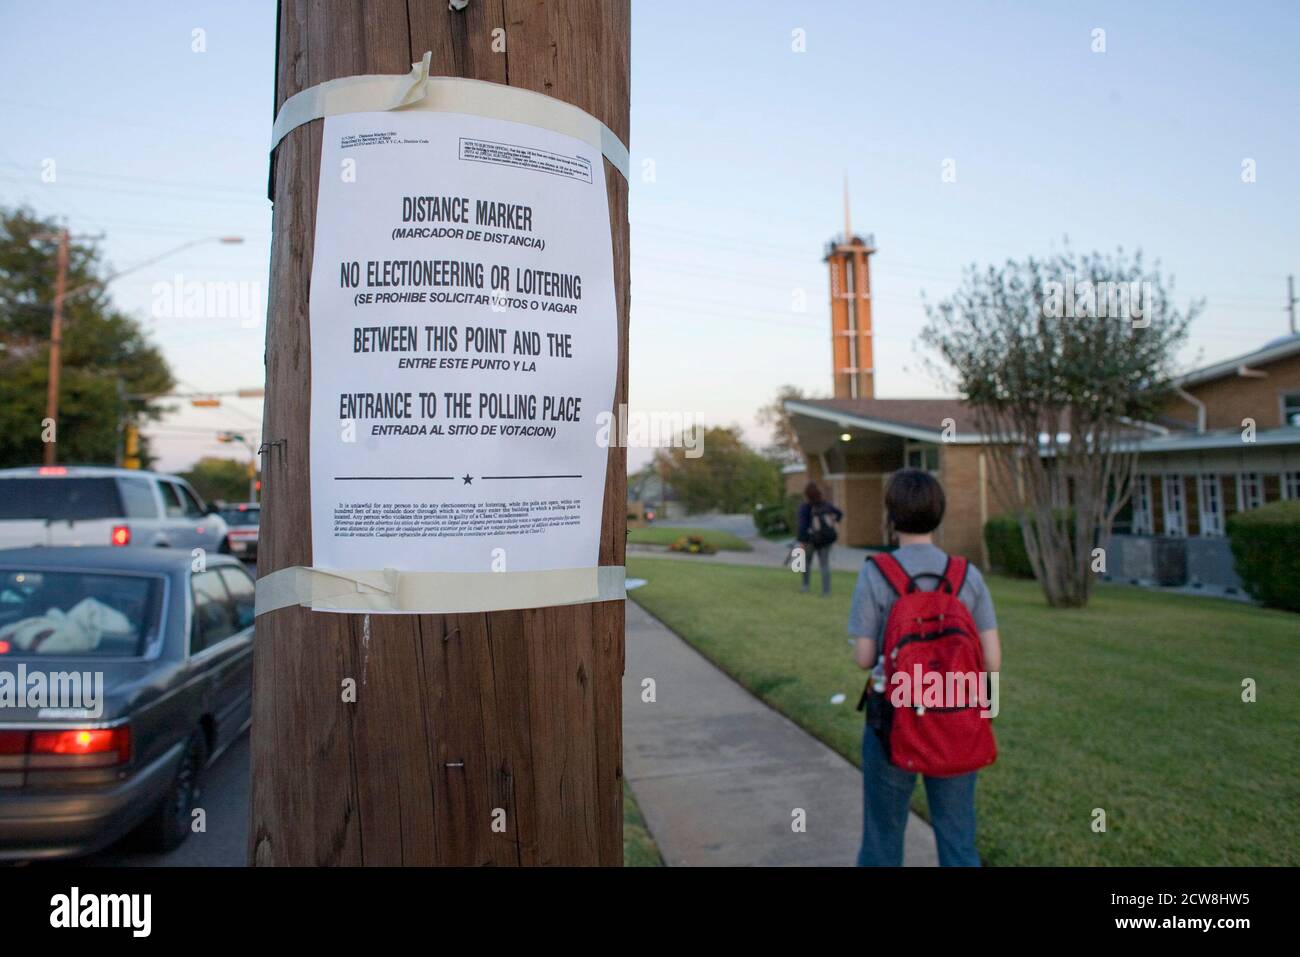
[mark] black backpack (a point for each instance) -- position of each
(821, 531)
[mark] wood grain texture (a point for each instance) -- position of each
(456, 715)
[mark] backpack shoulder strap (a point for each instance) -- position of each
(892, 572)
(954, 574)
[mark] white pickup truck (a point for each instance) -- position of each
(90, 505)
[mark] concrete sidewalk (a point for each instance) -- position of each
(718, 774)
(844, 558)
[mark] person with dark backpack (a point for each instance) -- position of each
(817, 519)
(923, 623)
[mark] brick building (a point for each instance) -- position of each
(852, 446)
(1228, 440)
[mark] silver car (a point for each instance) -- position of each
(92, 505)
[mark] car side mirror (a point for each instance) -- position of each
(211, 510)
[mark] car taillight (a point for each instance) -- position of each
(80, 748)
(4, 647)
(13, 742)
(121, 535)
(52, 470)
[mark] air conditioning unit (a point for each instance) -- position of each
(1170, 561)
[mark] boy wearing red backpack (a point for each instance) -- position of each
(915, 612)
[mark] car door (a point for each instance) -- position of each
(208, 529)
(239, 584)
(219, 655)
(191, 523)
(176, 530)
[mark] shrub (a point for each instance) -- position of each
(792, 502)
(1266, 549)
(1007, 552)
(770, 518)
(1006, 544)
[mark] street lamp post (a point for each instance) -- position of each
(252, 462)
(61, 294)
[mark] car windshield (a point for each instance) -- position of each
(62, 499)
(77, 614)
(241, 516)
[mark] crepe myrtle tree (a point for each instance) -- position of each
(1064, 361)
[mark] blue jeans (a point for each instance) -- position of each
(887, 792)
(823, 557)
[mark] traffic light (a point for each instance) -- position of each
(131, 447)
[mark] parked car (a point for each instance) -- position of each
(91, 505)
(242, 523)
(170, 648)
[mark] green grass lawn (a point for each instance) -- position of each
(639, 849)
(1132, 705)
(666, 535)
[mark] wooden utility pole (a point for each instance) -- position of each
(456, 716)
(56, 347)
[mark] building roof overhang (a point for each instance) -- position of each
(1218, 439)
(1280, 349)
(848, 420)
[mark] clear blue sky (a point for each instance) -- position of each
(1139, 146)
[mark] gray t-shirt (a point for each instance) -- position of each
(873, 598)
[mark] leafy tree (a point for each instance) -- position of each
(1061, 385)
(728, 476)
(785, 442)
(108, 368)
(216, 478)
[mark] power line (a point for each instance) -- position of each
(150, 181)
(152, 194)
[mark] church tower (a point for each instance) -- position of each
(847, 257)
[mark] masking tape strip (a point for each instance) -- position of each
(432, 593)
(447, 94)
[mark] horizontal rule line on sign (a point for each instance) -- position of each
(392, 478)
(528, 476)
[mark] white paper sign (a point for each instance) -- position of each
(464, 345)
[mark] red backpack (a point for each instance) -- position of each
(934, 731)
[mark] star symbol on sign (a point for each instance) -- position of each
(468, 480)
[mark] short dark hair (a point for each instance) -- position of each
(915, 501)
(812, 493)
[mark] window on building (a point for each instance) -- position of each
(1209, 493)
(1291, 408)
(1291, 485)
(1250, 491)
(1143, 521)
(1175, 505)
(923, 457)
